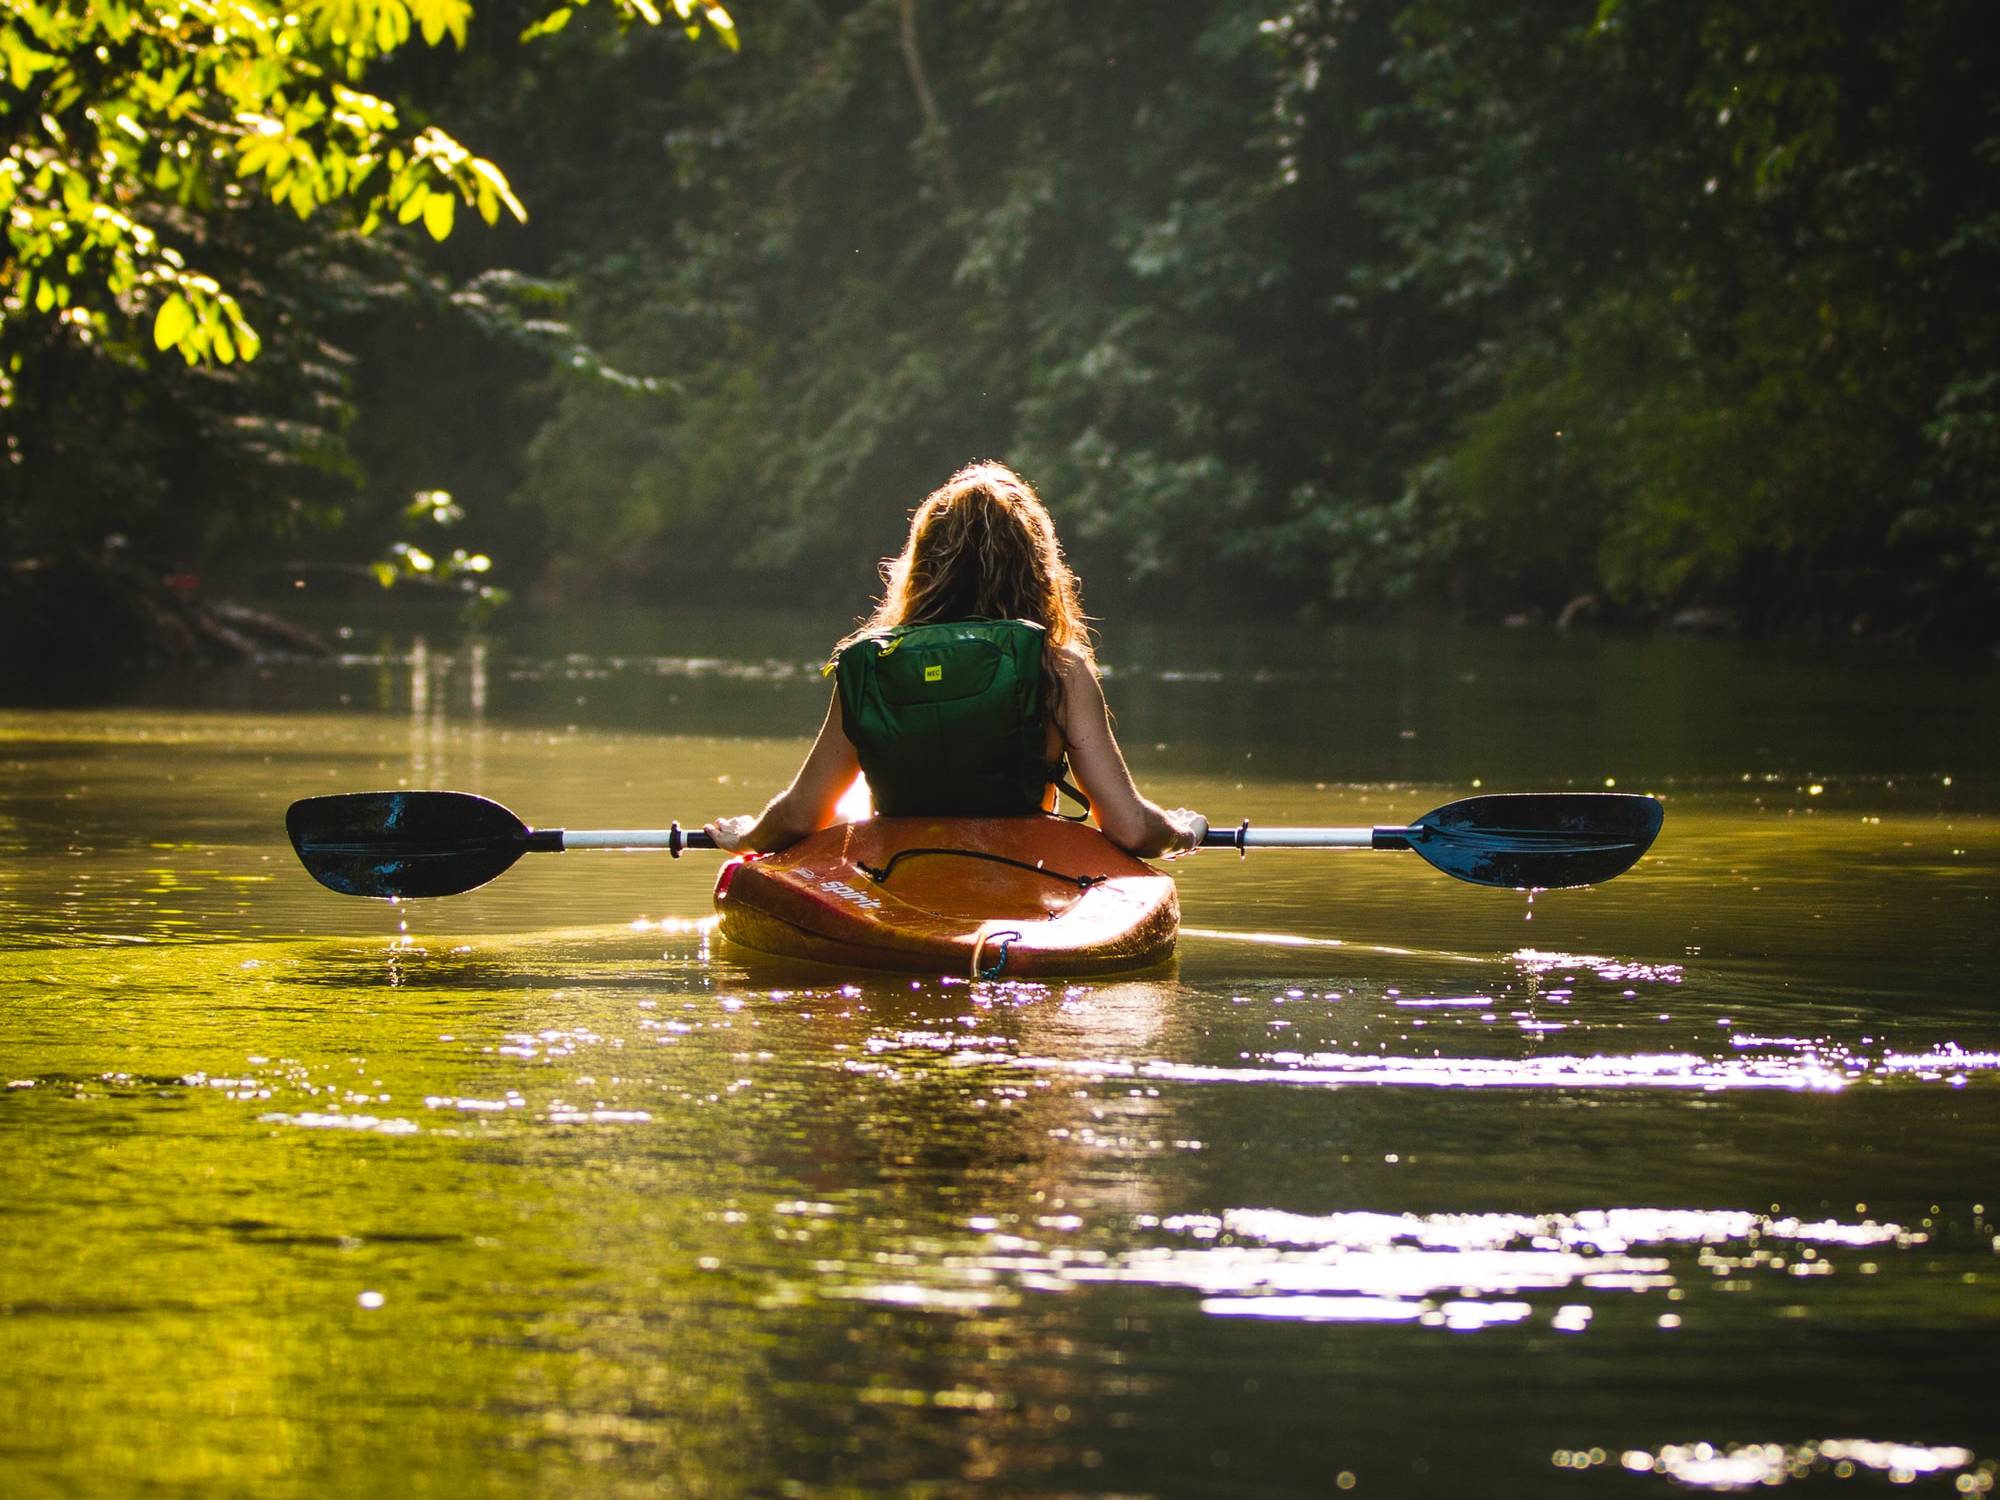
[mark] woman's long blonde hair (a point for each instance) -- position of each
(982, 546)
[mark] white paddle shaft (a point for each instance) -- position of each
(1248, 838)
(624, 838)
(1307, 838)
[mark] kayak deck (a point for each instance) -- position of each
(984, 897)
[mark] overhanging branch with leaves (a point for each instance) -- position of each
(128, 124)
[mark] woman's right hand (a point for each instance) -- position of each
(732, 833)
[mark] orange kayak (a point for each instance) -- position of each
(982, 897)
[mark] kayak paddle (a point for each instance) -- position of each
(1521, 840)
(408, 844)
(438, 843)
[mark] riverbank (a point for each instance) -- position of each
(79, 628)
(83, 629)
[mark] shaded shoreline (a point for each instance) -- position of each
(82, 628)
(78, 628)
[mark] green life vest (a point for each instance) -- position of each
(948, 720)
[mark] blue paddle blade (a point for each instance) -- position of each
(405, 844)
(1538, 840)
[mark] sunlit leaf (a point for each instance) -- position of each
(438, 213)
(493, 177)
(392, 25)
(433, 505)
(256, 155)
(549, 24)
(23, 61)
(439, 18)
(374, 113)
(172, 322)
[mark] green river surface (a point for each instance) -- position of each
(1386, 1183)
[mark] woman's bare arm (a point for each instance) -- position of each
(1128, 819)
(804, 807)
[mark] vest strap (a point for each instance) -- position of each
(1059, 775)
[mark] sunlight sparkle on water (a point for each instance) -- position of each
(676, 926)
(1536, 961)
(1456, 1272)
(1655, 1070)
(368, 1124)
(1742, 1466)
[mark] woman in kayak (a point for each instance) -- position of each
(970, 687)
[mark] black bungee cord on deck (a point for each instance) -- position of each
(880, 875)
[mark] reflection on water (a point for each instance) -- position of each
(1405, 1267)
(545, 1185)
(1744, 1466)
(1672, 1070)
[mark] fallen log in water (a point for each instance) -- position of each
(79, 627)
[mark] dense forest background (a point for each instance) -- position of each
(1352, 306)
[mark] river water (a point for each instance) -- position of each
(1386, 1184)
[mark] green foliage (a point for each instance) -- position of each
(204, 208)
(1721, 272)
(129, 126)
(461, 570)
(1419, 303)
(1073, 265)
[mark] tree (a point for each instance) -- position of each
(131, 123)
(194, 178)
(913, 235)
(1722, 269)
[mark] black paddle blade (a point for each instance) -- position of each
(1539, 841)
(404, 843)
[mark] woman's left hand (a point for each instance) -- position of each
(732, 833)
(1192, 828)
